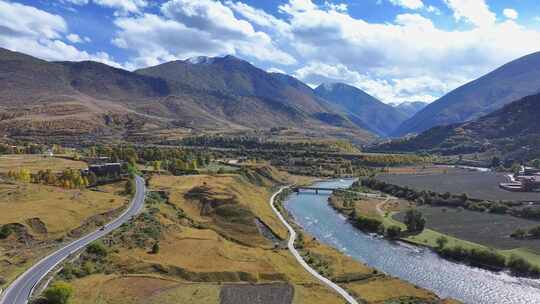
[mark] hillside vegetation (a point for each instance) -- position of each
(513, 131)
(480, 97)
(218, 242)
(39, 218)
(87, 101)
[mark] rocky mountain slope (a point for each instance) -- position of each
(363, 109)
(480, 97)
(513, 131)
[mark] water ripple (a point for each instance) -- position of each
(416, 265)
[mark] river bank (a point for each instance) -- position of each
(413, 264)
(366, 284)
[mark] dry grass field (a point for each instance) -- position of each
(207, 254)
(42, 216)
(35, 163)
(60, 210)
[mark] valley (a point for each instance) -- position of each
(268, 169)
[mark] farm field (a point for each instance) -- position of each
(478, 185)
(467, 229)
(488, 229)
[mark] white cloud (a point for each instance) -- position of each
(510, 13)
(30, 30)
(340, 7)
(259, 17)
(393, 90)
(195, 27)
(127, 6)
(409, 52)
(77, 2)
(476, 12)
(122, 7)
(410, 4)
(74, 38)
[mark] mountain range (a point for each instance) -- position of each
(57, 100)
(512, 131)
(89, 101)
(477, 98)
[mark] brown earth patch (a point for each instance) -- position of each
(257, 294)
(37, 225)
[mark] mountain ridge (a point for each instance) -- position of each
(61, 99)
(510, 82)
(363, 109)
(512, 131)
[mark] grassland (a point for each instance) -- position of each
(42, 217)
(210, 245)
(36, 162)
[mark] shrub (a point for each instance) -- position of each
(155, 248)
(519, 234)
(535, 232)
(520, 266)
(97, 248)
(58, 293)
(441, 242)
(368, 224)
(393, 232)
(5, 231)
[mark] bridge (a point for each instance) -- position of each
(315, 189)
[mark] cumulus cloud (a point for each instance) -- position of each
(476, 12)
(410, 4)
(422, 88)
(510, 13)
(407, 59)
(128, 6)
(194, 27)
(38, 33)
(122, 7)
(74, 38)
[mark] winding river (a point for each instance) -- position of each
(419, 266)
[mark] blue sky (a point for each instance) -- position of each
(396, 50)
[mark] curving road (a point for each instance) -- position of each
(296, 254)
(21, 289)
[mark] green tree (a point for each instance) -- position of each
(415, 221)
(393, 232)
(58, 293)
(441, 242)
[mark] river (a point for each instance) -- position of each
(417, 265)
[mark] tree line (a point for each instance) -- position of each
(68, 178)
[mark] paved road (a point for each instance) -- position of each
(20, 290)
(290, 245)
